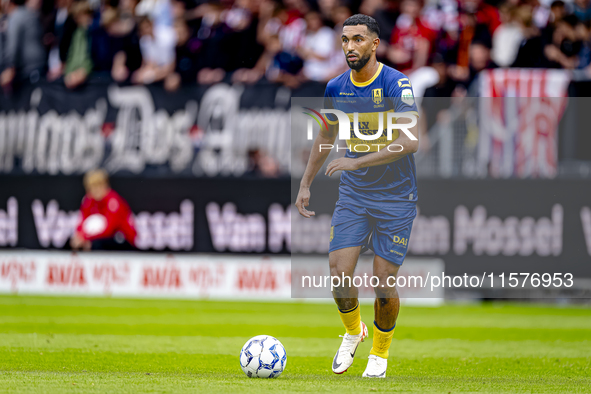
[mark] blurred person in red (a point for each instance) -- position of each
(475, 18)
(411, 41)
(106, 221)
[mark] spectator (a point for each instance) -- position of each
(280, 66)
(217, 51)
(584, 36)
(386, 16)
(127, 12)
(281, 39)
(339, 15)
(582, 10)
(531, 51)
(508, 36)
(115, 46)
(475, 16)
(291, 31)
(485, 14)
(318, 50)
(480, 58)
(79, 63)
(411, 39)
(24, 58)
(128, 56)
(436, 101)
(187, 50)
(106, 221)
(557, 12)
(103, 43)
(445, 86)
(370, 7)
(540, 13)
(562, 51)
(157, 44)
(297, 9)
(58, 36)
(243, 22)
(327, 8)
(158, 11)
(3, 27)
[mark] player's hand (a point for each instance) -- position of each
(342, 164)
(302, 201)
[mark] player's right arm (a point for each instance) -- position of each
(315, 162)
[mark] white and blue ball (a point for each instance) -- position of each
(263, 357)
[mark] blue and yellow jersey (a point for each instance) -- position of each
(387, 91)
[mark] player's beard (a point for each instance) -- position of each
(357, 65)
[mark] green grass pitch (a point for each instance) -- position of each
(50, 344)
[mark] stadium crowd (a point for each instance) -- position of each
(176, 42)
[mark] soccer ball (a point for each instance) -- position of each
(263, 357)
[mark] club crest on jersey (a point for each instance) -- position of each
(377, 95)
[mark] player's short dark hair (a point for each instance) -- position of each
(365, 20)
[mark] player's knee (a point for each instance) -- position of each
(338, 269)
(386, 288)
(386, 279)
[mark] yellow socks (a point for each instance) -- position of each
(381, 341)
(352, 320)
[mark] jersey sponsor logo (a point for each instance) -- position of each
(379, 128)
(385, 121)
(400, 240)
(403, 83)
(377, 95)
(345, 94)
(407, 96)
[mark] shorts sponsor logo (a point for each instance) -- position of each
(400, 241)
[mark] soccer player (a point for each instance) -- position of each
(377, 191)
(106, 221)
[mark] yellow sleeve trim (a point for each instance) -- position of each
(331, 122)
(362, 84)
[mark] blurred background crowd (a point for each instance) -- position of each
(176, 42)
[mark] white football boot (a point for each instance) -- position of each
(346, 353)
(376, 367)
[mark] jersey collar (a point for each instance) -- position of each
(366, 83)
